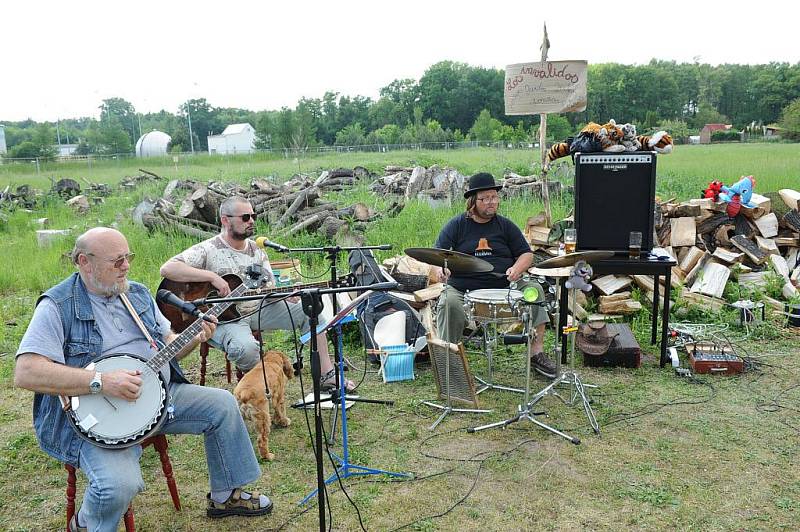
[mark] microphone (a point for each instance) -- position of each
(168, 298)
(264, 242)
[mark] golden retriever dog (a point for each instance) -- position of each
(253, 402)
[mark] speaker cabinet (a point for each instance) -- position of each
(614, 195)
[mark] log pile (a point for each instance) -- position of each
(516, 185)
(297, 205)
(758, 248)
(434, 183)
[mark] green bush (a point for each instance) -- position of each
(725, 136)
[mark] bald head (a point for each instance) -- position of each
(96, 239)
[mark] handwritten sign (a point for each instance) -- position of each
(545, 87)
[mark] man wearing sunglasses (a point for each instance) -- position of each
(482, 232)
(85, 317)
(232, 251)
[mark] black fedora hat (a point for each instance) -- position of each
(481, 181)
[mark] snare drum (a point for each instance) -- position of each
(492, 305)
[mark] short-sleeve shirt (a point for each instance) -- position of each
(498, 241)
(218, 256)
(121, 335)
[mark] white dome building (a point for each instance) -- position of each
(152, 144)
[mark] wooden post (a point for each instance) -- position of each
(543, 142)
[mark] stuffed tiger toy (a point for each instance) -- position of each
(660, 142)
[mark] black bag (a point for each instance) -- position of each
(380, 304)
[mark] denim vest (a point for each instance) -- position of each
(82, 344)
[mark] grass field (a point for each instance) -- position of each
(673, 454)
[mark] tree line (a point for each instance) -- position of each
(451, 102)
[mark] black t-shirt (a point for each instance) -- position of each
(497, 241)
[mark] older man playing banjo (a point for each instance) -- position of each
(96, 314)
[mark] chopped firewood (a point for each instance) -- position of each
(621, 296)
(780, 266)
(693, 255)
(788, 290)
(726, 256)
(663, 233)
(537, 235)
(698, 267)
(602, 317)
(681, 211)
(683, 232)
(608, 284)
(774, 303)
(744, 226)
(762, 207)
(710, 224)
(625, 306)
(430, 292)
(704, 302)
(712, 280)
(790, 197)
(787, 241)
(792, 220)
(767, 245)
(723, 234)
(753, 279)
(749, 248)
(645, 282)
(768, 225)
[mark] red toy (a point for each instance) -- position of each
(713, 190)
(734, 206)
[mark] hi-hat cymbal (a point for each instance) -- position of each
(457, 262)
(571, 258)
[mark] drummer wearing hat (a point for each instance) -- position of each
(483, 233)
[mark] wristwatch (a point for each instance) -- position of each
(96, 385)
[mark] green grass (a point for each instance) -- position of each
(672, 455)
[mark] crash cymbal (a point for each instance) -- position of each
(457, 262)
(571, 258)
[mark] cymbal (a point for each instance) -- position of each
(571, 258)
(457, 262)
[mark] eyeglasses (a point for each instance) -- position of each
(244, 217)
(489, 199)
(119, 261)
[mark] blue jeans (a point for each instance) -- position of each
(114, 476)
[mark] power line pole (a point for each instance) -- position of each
(191, 136)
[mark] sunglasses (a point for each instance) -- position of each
(246, 217)
(119, 261)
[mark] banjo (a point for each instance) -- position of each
(112, 422)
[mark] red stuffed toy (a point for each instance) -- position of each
(734, 206)
(713, 190)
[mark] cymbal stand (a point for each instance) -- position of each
(524, 409)
(448, 407)
(568, 376)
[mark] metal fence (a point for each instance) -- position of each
(92, 159)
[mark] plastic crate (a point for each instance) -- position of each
(397, 363)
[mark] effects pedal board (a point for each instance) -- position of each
(706, 357)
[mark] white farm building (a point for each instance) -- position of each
(237, 138)
(152, 144)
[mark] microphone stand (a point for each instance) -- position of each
(345, 469)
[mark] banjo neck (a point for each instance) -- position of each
(187, 335)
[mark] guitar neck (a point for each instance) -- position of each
(187, 336)
(274, 289)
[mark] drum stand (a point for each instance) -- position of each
(569, 378)
(448, 408)
(489, 345)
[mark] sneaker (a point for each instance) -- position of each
(543, 365)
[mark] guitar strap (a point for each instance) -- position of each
(138, 320)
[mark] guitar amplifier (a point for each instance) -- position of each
(614, 195)
(624, 350)
(705, 357)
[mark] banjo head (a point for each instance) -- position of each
(117, 423)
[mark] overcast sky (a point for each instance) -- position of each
(60, 59)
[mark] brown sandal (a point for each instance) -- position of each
(235, 505)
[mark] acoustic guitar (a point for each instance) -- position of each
(191, 291)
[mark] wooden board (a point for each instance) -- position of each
(712, 280)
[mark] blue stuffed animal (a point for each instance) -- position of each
(743, 188)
